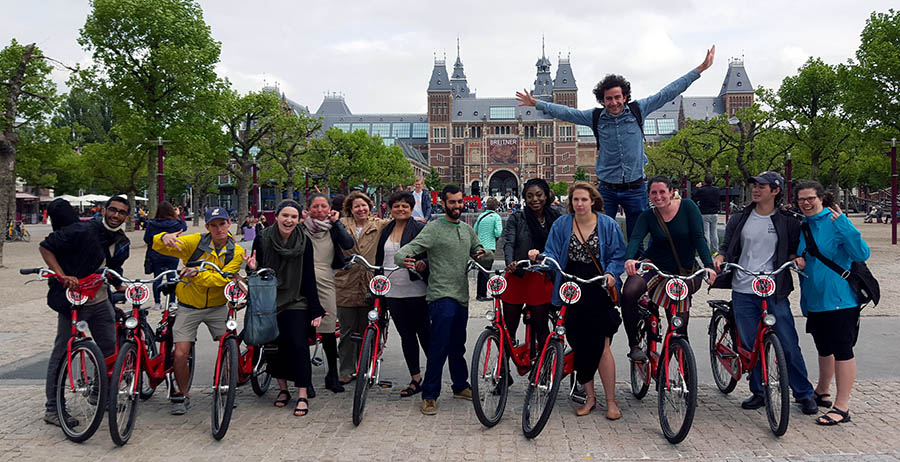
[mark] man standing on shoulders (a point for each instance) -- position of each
(201, 297)
(762, 238)
(488, 227)
(422, 210)
(618, 128)
(707, 199)
(449, 244)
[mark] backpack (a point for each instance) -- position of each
(260, 320)
(633, 106)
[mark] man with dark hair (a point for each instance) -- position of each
(449, 244)
(707, 198)
(620, 147)
(762, 238)
(73, 252)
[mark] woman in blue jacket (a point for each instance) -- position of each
(586, 242)
(827, 301)
(166, 221)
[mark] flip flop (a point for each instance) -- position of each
(301, 412)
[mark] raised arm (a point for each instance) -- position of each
(670, 91)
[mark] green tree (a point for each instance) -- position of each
(27, 96)
(433, 180)
(197, 150)
(158, 56)
(560, 188)
(283, 150)
(581, 174)
(873, 81)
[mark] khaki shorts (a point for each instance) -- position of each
(187, 320)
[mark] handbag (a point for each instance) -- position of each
(260, 320)
(861, 280)
(612, 291)
(662, 224)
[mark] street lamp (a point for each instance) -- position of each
(727, 190)
(160, 153)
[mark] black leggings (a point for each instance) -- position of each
(634, 287)
(410, 316)
(292, 360)
(329, 346)
(540, 323)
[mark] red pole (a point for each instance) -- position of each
(894, 218)
(160, 182)
(727, 200)
(254, 209)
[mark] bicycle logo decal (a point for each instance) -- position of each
(676, 289)
(76, 298)
(763, 286)
(380, 285)
(496, 285)
(235, 293)
(137, 294)
(570, 292)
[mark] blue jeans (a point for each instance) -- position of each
(159, 268)
(633, 201)
(448, 344)
(747, 314)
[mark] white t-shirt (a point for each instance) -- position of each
(401, 285)
(758, 242)
(417, 210)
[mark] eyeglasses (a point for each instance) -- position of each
(121, 213)
(801, 200)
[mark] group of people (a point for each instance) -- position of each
(309, 246)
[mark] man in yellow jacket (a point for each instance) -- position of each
(203, 299)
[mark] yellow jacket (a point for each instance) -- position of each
(206, 289)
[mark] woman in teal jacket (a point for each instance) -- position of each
(826, 299)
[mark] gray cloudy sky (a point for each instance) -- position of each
(379, 54)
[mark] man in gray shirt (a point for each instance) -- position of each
(761, 238)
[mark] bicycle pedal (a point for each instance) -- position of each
(386, 384)
(579, 399)
(728, 355)
(356, 338)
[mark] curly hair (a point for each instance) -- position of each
(612, 81)
(352, 197)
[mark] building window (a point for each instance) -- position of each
(342, 127)
(476, 132)
(546, 131)
(401, 130)
(388, 141)
(439, 135)
(503, 113)
(585, 131)
(363, 127)
(459, 131)
(565, 133)
(666, 126)
(530, 131)
(459, 149)
(548, 148)
(420, 130)
(650, 127)
(382, 130)
(565, 157)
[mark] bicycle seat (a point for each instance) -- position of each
(168, 287)
(723, 305)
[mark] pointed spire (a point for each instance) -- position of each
(543, 53)
(543, 82)
(458, 82)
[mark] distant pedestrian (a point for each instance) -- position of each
(165, 221)
(489, 227)
(707, 198)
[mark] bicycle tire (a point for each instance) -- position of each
(260, 381)
(487, 386)
(91, 383)
(721, 333)
(123, 403)
(776, 391)
(640, 373)
(539, 400)
(146, 391)
(224, 388)
(683, 395)
(365, 377)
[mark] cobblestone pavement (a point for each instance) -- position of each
(394, 429)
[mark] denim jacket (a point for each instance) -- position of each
(612, 248)
(620, 155)
(842, 243)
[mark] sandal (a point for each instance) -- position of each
(820, 399)
(827, 420)
(300, 412)
(413, 388)
(282, 399)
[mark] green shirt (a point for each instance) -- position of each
(449, 247)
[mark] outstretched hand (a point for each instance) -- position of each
(708, 61)
(525, 98)
(250, 261)
(172, 240)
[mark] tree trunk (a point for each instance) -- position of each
(243, 191)
(132, 206)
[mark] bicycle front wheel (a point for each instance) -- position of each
(146, 390)
(540, 395)
(123, 401)
(81, 389)
(490, 373)
(722, 353)
(260, 379)
(366, 376)
(678, 394)
(778, 399)
(640, 371)
(224, 388)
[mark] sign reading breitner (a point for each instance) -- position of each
(503, 150)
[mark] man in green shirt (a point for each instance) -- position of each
(449, 244)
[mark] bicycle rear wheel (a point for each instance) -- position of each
(224, 388)
(260, 379)
(150, 342)
(678, 394)
(540, 397)
(721, 341)
(123, 400)
(366, 376)
(778, 399)
(81, 402)
(490, 373)
(640, 372)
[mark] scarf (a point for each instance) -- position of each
(316, 226)
(539, 233)
(286, 258)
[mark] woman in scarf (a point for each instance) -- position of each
(286, 249)
(328, 237)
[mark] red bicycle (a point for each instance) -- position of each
(677, 378)
(730, 360)
(234, 368)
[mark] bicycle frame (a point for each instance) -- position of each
(380, 334)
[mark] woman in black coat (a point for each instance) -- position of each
(166, 221)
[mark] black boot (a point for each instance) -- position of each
(331, 382)
(310, 391)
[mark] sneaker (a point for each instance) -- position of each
(754, 402)
(52, 418)
(429, 407)
(483, 299)
(637, 354)
(180, 405)
(808, 405)
(464, 394)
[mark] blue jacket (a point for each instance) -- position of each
(620, 155)
(840, 241)
(154, 227)
(612, 248)
(426, 203)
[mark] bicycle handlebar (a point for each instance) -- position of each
(645, 266)
(600, 278)
(357, 259)
(787, 265)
